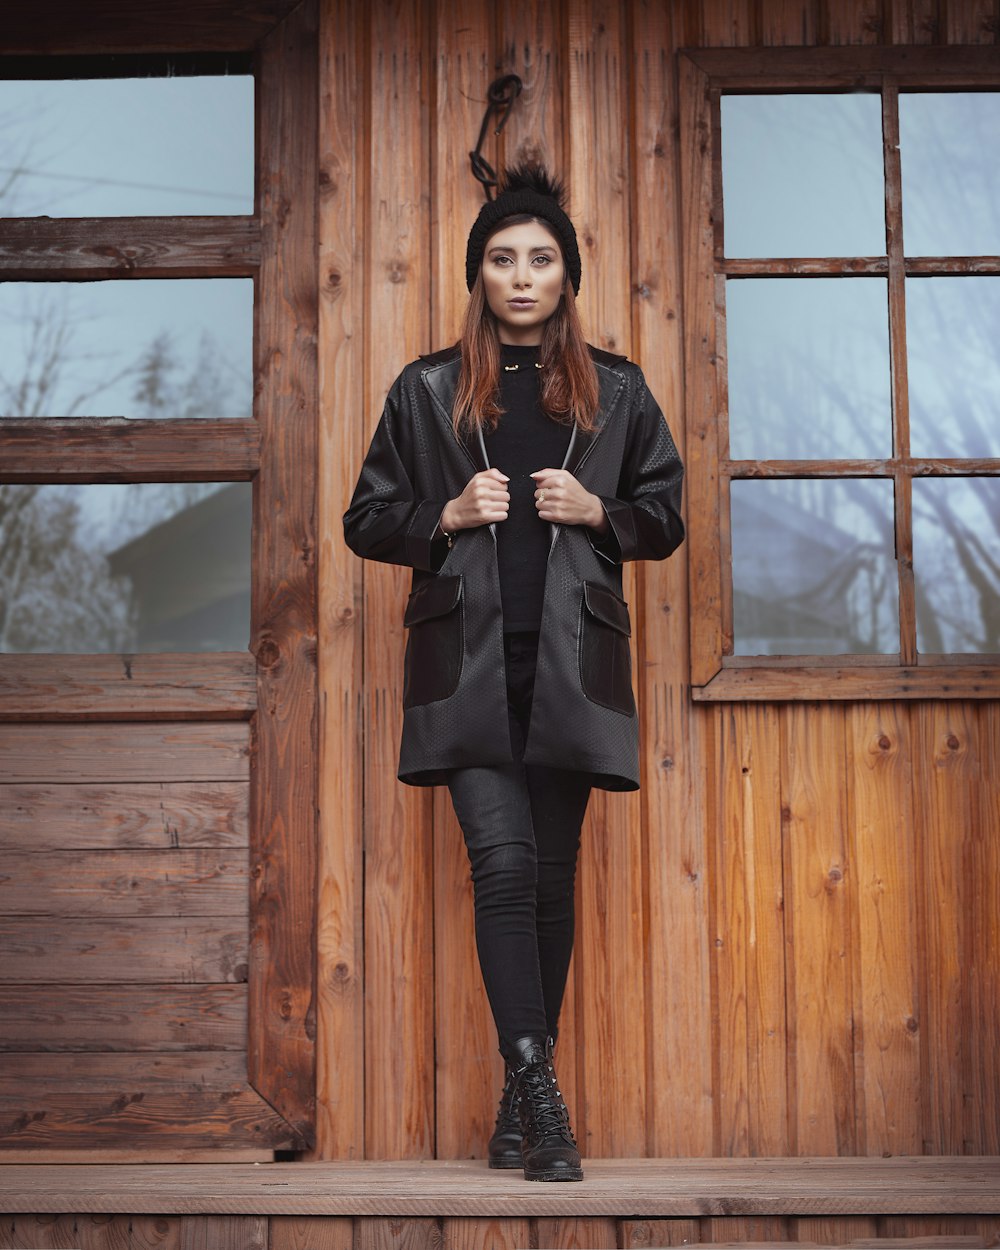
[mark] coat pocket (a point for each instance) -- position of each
(435, 647)
(605, 657)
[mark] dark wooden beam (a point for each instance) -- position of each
(845, 68)
(102, 27)
(61, 249)
(113, 449)
(282, 1055)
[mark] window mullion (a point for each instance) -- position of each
(897, 363)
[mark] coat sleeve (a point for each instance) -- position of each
(387, 520)
(645, 514)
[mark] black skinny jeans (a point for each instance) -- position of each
(521, 825)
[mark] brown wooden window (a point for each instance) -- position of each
(158, 745)
(843, 306)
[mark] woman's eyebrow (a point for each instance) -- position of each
(547, 247)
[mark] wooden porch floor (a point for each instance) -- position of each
(642, 1188)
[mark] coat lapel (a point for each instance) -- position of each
(611, 384)
(441, 381)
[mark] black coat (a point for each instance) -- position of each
(454, 692)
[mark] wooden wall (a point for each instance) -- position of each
(788, 940)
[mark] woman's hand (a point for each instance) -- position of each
(566, 502)
(485, 499)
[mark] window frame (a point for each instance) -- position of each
(706, 75)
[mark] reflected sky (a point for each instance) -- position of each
(952, 332)
(802, 175)
(111, 147)
(814, 571)
(956, 564)
(808, 368)
(85, 348)
(949, 144)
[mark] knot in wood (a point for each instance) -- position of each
(268, 653)
(952, 743)
(396, 271)
(884, 742)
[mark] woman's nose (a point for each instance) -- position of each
(522, 276)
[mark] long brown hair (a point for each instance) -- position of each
(569, 390)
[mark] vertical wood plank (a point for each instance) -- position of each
(576, 1234)
(609, 964)
(532, 46)
(983, 1111)
(788, 22)
(822, 1108)
(880, 817)
(318, 1232)
(649, 1233)
(224, 1232)
(486, 1234)
(399, 956)
(340, 1014)
(672, 731)
(283, 795)
(831, 1230)
(853, 21)
(382, 1233)
(946, 769)
(971, 21)
(727, 23)
(469, 1069)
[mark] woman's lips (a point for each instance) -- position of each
(522, 303)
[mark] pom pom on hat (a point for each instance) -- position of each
(529, 189)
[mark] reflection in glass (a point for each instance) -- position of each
(808, 368)
(948, 144)
(813, 567)
(952, 332)
(126, 147)
(956, 564)
(143, 348)
(132, 568)
(802, 175)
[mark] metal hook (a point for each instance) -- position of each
(501, 94)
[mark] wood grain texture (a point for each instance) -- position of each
(31, 753)
(283, 610)
(610, 1106)
(163, 687)
(340, 942)
(612, 1188)
(145, 1018)
(119, 449)
(39, 248)
(887, 1026)
(123, 951)
(286, 1232)
(398, 881)
(161, 815)
(476, 1234)
(469, 1072)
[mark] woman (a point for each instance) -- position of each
(515, 473)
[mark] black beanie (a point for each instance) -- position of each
(531, 190)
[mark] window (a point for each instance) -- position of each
(843, 244)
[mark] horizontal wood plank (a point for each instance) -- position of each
(142, 1018)
(39, 817)
(777, 683)
(136, 752)
(116, 449)
(104, 26)
(846, 68)
(56, 248)
(123, 951)
(124, 883)
(214, 685)
(631, 1187)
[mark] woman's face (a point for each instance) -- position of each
(524, 277)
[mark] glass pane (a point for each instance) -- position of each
(948, 144)
(952, 332)
(813, 567)
(127, 147)
(802, 175)
(808, 368)
(139, 567)
(145, 348)
(956, 564)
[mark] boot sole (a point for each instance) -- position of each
(557, 1174)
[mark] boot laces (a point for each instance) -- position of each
(548, 1115)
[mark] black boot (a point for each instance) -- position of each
(548, 1150)
(505, 1144)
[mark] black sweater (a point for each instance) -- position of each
(524, 440)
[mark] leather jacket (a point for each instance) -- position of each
(583, 713)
